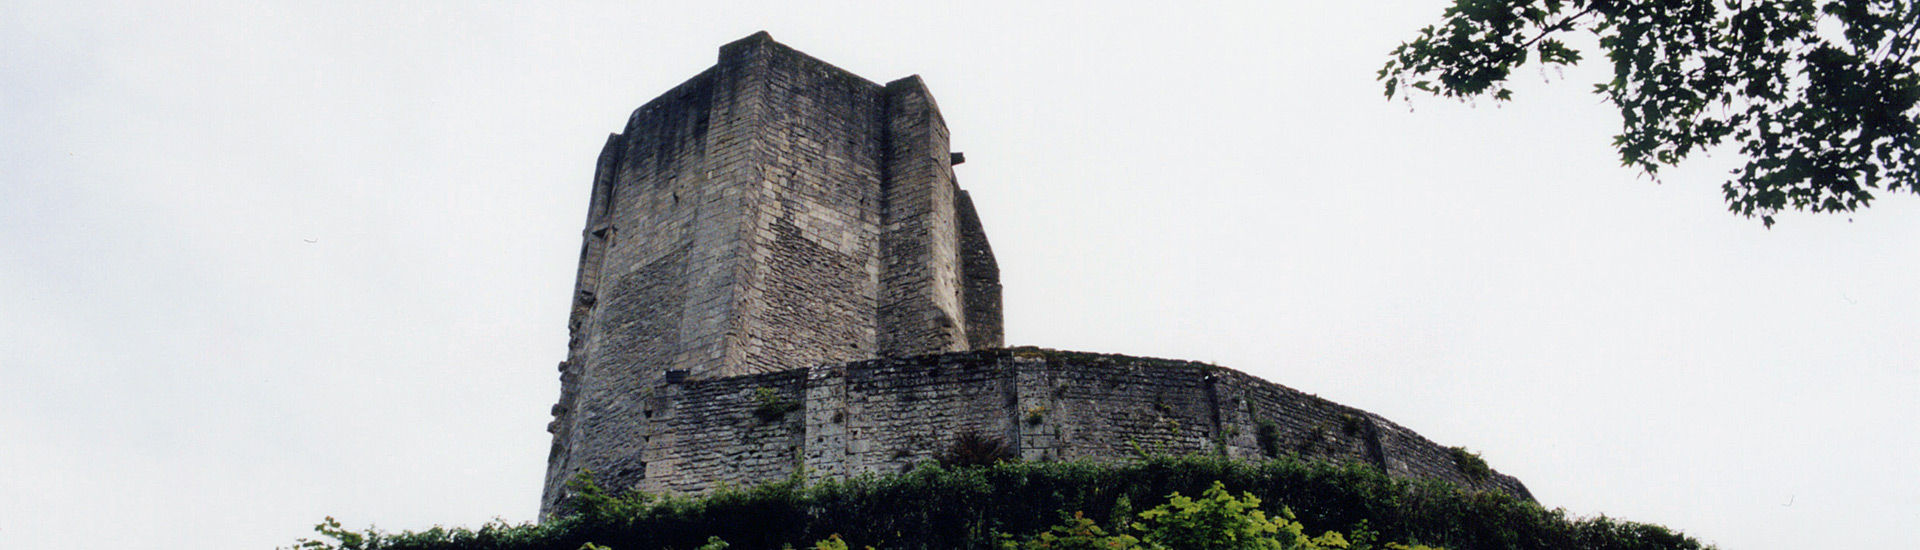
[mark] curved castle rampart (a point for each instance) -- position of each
(886, 415)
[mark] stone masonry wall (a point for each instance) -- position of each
(920, 298)
(780, 274)
(884, 416)
(980, 287)
(812, 257)
(772, 213)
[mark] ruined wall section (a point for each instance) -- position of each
(1109, 406)
(1280, 420)
(633, 285)
(920, 289)
(980, 285)
(903, 412)
(1409, 454)
(722, 256)
(810, 283)
(772, 213)
(1262, 419)
(885, 415)
(560, 457)
(739, 430)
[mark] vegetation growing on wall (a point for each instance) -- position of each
(1013, 505)
(1352, 425)
(970, 448)
(1470, 464)
(1268, 436)
(769, 405)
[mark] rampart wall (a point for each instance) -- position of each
(886, 415)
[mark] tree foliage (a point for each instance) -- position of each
(1820, 96)
(1219, 520)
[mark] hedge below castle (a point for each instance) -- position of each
(984, 507)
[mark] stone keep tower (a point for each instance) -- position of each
(774, 212)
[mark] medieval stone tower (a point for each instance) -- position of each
(780, 276)
(772, 213)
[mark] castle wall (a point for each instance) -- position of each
(920, 298)
(886, 415)
(980, 274)
(1102, 407)
(812, 270)
(899, 412)
(772, 213)
(716, 430)
(780, 275)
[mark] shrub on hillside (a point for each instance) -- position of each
(981, 508)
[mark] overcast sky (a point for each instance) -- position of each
(262, 263)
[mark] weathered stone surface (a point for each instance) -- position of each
(779, 275)
(772, 213)
(885, 415)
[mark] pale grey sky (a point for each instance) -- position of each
(262, 263)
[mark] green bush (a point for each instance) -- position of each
(1268, 436)
(1219, 520)
(1075, 532)
(771, 406)
(982, 508)
(1470, 464)
(969, 448)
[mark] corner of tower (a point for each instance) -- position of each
(913, 86)
(761, 37)
(743, 47)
